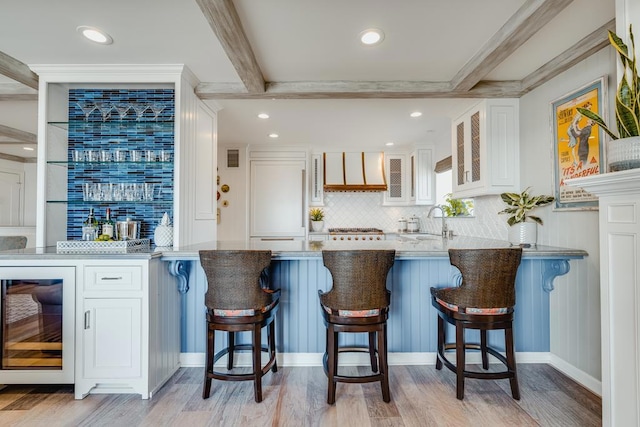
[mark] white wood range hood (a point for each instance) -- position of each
(354, 171)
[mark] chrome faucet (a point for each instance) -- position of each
(443, 232)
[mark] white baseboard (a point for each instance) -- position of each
(355, 359)
(576, 374)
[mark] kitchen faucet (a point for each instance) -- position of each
(443, 232)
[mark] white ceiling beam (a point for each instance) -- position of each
(580, 51)
(225, 22)
(17, 158)
(19, 135)
(17, 71)
(359, 90)
(17, 92)
(529, 19)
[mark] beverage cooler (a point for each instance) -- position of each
(37, 315)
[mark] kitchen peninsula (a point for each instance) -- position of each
(149, 305)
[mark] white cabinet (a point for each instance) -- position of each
(127, 328)
(485, 148)
(396, 168)
(410, 178)
(277, 196)
(422, 177)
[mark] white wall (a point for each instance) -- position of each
(575, 302)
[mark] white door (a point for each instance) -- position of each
(10, 198)
(277, 194)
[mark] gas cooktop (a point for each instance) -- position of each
(355, 230)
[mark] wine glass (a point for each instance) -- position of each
(157, 109)
(122, 110)
(87, 108)
(105, 109)
(139, 108)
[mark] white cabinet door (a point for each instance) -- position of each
(277, 196)
(423, 185)
(112, 338)
(397, 193)
(485, 149)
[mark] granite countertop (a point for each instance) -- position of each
(416, 247)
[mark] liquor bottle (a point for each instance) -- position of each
(90, 227)
(108, 225)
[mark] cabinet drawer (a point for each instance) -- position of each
(113, 278)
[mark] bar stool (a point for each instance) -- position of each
(485, 301)
(235, 302)
(357, 302)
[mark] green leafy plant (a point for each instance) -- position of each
(456, 207)
(316, 214)
(521, 203)
(627, 97)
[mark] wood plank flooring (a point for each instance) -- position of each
(420, 396)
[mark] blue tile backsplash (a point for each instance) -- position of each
(120, 158)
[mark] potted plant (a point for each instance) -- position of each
(317, 219)
(456, 207)
(623, 151)
(521, 231)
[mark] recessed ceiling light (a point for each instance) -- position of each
(416, 114)
(371, 36)
(273, 135)
(389, 144)
(28, 148)
(95, 34)
(263, 115)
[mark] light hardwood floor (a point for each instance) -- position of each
(421, 396)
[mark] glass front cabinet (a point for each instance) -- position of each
(110, 140)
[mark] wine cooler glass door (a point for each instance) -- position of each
(37, 312)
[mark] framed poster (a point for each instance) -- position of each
(578, 144)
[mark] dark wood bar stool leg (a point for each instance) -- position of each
(483, 349)
(511, 362)
(232, 344)
(206, 391)
(257, 369)
(332, 363)
(384, 368)
(272, 345)
(441, 338)
(460, 360)
(372, 351)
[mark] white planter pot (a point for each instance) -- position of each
(523, 233)
(317, 225)
(623, 154)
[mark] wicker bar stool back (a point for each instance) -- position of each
(357, 302)
(236, 301)
(485, 301)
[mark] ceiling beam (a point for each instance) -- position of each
(359, 90)
(529, 19)
(17, 71)
(580, 51)
(17, 158)
(19, 135)
(17, 92)
(225, 22)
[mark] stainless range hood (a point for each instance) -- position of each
(355, 171)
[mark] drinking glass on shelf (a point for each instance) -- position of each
(87, 108)
(105, 155)
(149, 191)
(122, 110)
(105, 109)
(119, 156)
(157, 109)
(135, 155)
(92, 155)
(87, 191)
(150, 156)
(164, 156)
(139, 108)
(77, 155)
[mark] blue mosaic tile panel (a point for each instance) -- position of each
(120, 156)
